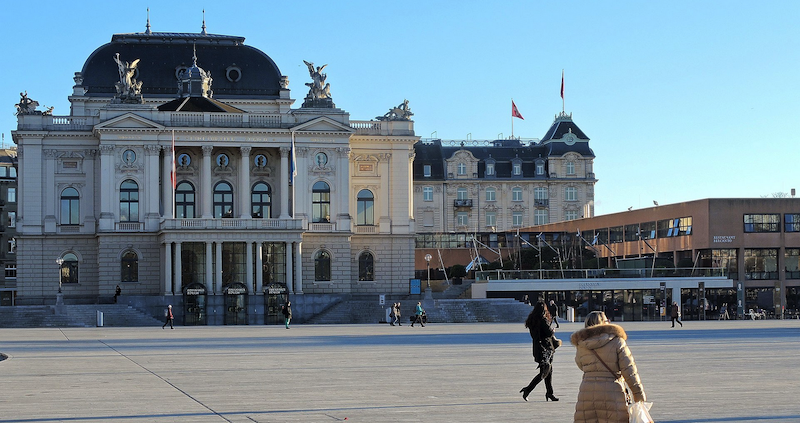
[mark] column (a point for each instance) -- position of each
(259, 268)
(106, 187)
(249, 264)
(206, 199)
(209, 268)
(166, 187)
(298, 268)
(218, 278)
(284, 175)
(50, 218)
(288, 248)
(244, 186)
(384, 213)
(168, 268)
(178, 268)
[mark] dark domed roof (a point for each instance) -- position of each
(237, 70)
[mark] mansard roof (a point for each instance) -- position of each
(198, 104)
(239, 71)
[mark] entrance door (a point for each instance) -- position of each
(275, 298)
(236, 304)
(194, 304)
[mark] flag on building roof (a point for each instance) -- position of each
(515, 112)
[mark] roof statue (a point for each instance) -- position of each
(129, 90)
(26, 105)
(401, 112)
(319, 92)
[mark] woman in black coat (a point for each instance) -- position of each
(544, 346)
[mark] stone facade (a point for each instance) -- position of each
(101, 209)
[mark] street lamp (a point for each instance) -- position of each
(59, 262)
(428, 258)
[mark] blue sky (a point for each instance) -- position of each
(682, 100)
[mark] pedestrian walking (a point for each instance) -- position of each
(287, 313)
(397, 314)
(603, 356)
(723, 312)
(544, 347)
(676, 314)
(418, 316)
(553, 309)
(169, 317)
(117, 293)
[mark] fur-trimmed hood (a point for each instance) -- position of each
(596, 336)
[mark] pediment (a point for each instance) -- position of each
(129, 121)
(322, 124)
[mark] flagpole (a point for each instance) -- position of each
(512, 121)
(563, 108)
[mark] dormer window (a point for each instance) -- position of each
(517, 169)
(426, 171)
(489, 169)
(540, 168)
(570, 168)
(462, 169)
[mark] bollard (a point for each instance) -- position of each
(99, 318)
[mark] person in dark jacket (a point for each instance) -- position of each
(676, 314)
(544, 346)
(287, 313)
(553, 309)
(170, 317)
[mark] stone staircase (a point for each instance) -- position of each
(83, 315)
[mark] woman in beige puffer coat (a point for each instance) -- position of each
(601, 397)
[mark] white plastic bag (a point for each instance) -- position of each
(639, 412)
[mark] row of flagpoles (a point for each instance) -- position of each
(516, 114)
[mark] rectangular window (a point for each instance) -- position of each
(761, 263)
(12, 195)
(540, 217)
(570, 168)
(792, 222)
(490, 194)
(491, 219)
(792, 263)
(517, 169)
(540, 168)
(426, 171)
(632, 232)
(489, 169)
(427, 219)
(540, 193)
(516, 194)
(12, 245)
(570, 215)
(12, 219)
(11, 271)
(647, 230)
(615, 234)
(427, 194)
(570, 194)
(462, 219)
(461, 194)
(516, 219)
(754, 223)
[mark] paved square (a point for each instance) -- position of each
(730, 371)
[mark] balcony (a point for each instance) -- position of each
(231, 224)
(366, 229)
(462, 203)
(130, 227)
(541, 202)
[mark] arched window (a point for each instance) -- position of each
(69, 268)
(365, 205)
(70, 207)
(129, 201)
(223, 200)
(321, 203)
(366, 269)
(260, 201)
(322, 266)
(184, 201)
(129, 267)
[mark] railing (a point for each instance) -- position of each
(232, 224)
(130, 226)
(56, 123)
(366, 229)
(541, 202)
(491, 275)
(383, 127)
(462, 203)
(69, 229)
(321, 227)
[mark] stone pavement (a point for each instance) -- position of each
(730, 371)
